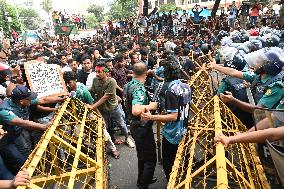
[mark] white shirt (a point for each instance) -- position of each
(175, 21)
(183, 18)
(66, 69)
(90, 79)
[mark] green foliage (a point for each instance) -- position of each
(7, 27)
(46, 6)
(97, 10)
(91, 21)
(168, 7)
(122, 9)
(30, 18)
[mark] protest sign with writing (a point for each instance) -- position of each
(45, 79)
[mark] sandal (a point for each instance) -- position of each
(115, 154)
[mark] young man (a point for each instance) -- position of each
(87, 68)
(83, 94)
(104, 93)
(63, 62)
(73, 64)
(178, 97)
(120, 73)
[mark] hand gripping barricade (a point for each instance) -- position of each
(71, 153)
(200, 163)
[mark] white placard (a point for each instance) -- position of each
(45, 79)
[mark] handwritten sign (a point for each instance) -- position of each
(45, 79)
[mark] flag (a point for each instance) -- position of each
(64, 29)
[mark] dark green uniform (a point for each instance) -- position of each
(142, 133)
(273, 94)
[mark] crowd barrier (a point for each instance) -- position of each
(201, 91)
(71, 154)
(200, 163)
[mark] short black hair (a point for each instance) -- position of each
(53, 60)
(60, 55)
(69, 76)
(143, 52)
(171, 69)
(119, 57)
(85, 57)
(131, 55)
(186, 51)
(70, 60)
(177, 50)
(101, 64)
(154, 49)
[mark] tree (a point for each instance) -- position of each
(46, 5)
(6, 10)
(97, 10)
(123, 9)
(215, 8)
(91, 21)
(30, 18)
(168, 7)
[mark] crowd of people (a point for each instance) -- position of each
(186, 23)
(135, 76)
(59, 17)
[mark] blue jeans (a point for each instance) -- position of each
(253, 19)
(5, 174)
(231, 22)
(116, 116)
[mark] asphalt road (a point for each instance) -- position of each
(123, 172)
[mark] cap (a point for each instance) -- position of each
(22, 92)
(4, 72)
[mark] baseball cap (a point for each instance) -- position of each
(4, 72)
(22, 92)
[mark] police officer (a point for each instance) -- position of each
(14, 116)
(137, 101)
(267, 81)
(238, 89)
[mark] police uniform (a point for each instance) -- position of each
(238, 90)
(279, 115)
(142, 132)
(13, 146)
(268, 91)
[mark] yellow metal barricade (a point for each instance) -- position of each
(71, 154)
(201, 91)
(200, 163)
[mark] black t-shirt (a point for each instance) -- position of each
(244, 10)
(82, 76)
(35, 114)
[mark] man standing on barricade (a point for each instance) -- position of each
(137, 101)
(177, 103)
